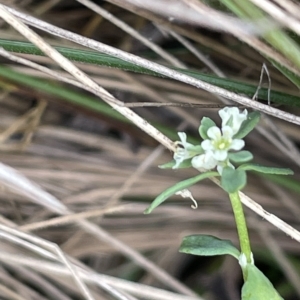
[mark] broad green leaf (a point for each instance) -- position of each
(177, 188)
(240, 157)
(206, 123)
(233, 180)
(265, 170)
(185, 164)
(207, 245)
(248, 125)
(258, 286)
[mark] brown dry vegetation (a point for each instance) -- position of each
(104, 171)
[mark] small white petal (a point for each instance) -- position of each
(178, 162)
(182, 150)
(214, 133)
(237, 123)
(237, 118)
(227, 132)
(243, 115)
(209, 161)
(183, 142)
(226, 113)
(207, 145)
(179, 156)
(197, 161)
(182, 136)
(237, 144)
(204, 161)
(243, 260)
(220, 155)
(229, 111)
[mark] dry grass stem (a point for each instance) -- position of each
(156, 68)
(76, 176)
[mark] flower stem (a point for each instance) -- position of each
(241, 225)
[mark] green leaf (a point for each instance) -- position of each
(248, 125)
(240, 157)
(176, 188)
(233, 180)
(207, 245)
(206, 123)
(185, 164)
(258, 286)
(266, 170)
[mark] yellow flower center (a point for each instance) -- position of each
(222, 143)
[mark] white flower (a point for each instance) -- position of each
(182, 151)
(232, 117)
(221, 142)
(213, 151)
(204, 161)
(216, 149)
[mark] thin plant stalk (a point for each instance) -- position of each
(241, 225)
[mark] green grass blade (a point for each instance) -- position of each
(96, 58)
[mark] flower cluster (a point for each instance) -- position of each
(214, 150)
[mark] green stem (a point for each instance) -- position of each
(241, 225)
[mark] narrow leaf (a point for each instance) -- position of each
(178, 187)
(258, 286)
(233, 180)
(207, 245)
(96, 58)
(248, 125)
(206, 123)
(266, 170)
(240, 157)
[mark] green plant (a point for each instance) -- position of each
(221, 148)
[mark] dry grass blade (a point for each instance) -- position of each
(76, 180)
(105, 14)
(29, 243)
(146, 126)
(16, 181)
(139, 290)
(68, 66)
(173, 10)
(156, 68)
(278, 14)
